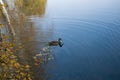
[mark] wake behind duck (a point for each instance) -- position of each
(46, 53)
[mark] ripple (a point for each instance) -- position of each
(76, 22)
(71, 28)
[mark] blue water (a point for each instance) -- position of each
(90, 30)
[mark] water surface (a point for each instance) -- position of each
(90, 30)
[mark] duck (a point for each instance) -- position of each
(56, 43)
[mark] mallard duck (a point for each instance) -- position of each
(56, 43)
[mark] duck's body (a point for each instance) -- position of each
(56, 43)
(53, 43)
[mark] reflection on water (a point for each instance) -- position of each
(90, 30)
(26, 18)
(31, 7)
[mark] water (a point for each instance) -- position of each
(90, 31)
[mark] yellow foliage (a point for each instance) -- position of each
(28, 8)
(10, 68)
(1, 25)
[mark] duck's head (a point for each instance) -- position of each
(60, 42)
